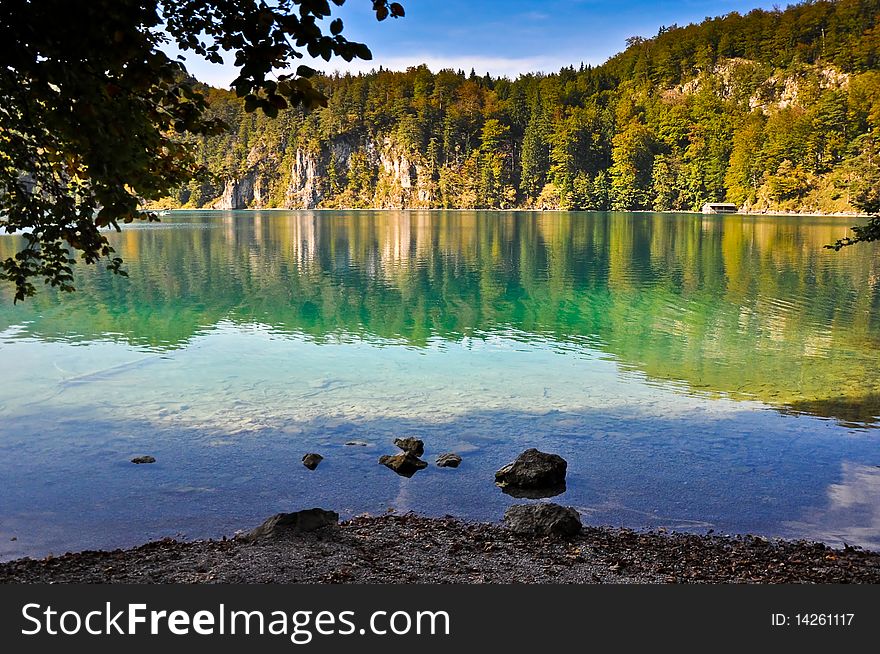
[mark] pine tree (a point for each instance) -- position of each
(535, 156)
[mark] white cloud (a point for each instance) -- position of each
(852, 513)
(495, 66)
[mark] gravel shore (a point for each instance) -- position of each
(413, 549)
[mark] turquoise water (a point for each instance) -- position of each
(696, 372)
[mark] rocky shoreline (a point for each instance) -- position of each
(415, 549)
(538, 542)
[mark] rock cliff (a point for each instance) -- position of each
(401, 179)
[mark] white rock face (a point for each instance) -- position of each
(304, 189)
(402, 181)
(777, 92)
(397, 165)
(781, 92)
(238, 193)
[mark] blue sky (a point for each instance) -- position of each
(503, 37)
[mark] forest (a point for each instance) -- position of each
(773, 110)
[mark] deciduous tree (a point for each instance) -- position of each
(92, 108)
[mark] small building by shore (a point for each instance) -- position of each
(719, 207)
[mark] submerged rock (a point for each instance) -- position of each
(533, 493)
(143, 459)
(410, 445)
(312, 460)
(357, 443)
(450, 460)
(405, 465)
(545, 519)
(534, 471)
(286, 524)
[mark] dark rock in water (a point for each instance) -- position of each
(533, 470)
(533, 493)
(405, 465)
(143, 459)
(410, 445)
(358, 443)
(312, 460)
(286, 524)
(545, 519)
(450, 460)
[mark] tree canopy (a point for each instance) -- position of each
(92, 109)
(776, 111)
(865, 189)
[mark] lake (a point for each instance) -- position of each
(697, 372)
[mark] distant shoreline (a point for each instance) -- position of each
(779, 214)
(414, 549)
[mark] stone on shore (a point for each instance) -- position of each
(281, 525)
(450, 460)
(312, 460)
(143, 459)
(411, 445)
(545, 519)
(533, 470)
(405, 465)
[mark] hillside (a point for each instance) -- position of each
(774, 110)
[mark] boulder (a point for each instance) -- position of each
(285, 524)
(544, 519)
(533, 470)
(410, 445)
(312, 460)
(450, 460)
(143, 459)
(405, 465)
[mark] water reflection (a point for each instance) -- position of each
(748, 307)
(852, 514)
(243, 340)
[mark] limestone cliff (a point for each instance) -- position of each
(310, 177)
(304, 191)
(250, 190)
(400, 179)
